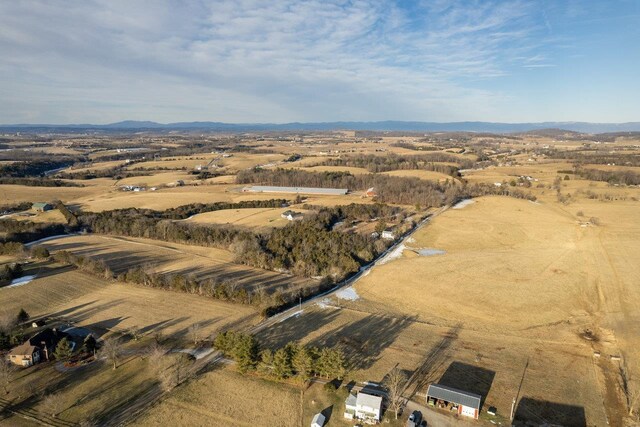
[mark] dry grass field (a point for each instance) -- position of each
(52, 216)
(173, 258)
(258, 218)
(422, 174)
(224, 398)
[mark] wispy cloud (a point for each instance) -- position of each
(250, 60)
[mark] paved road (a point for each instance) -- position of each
(294, 311)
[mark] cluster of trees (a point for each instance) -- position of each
(27, 231)
(10, 335)
(600, 157)
(623, 177)
(392, 161)
(16, 248)
(415, 147)
(117, 172)
(390, 189)
(33, 168)
(292, 360)
(38, 182)
(8, 272)
(11, 248)
(90, 265)
(15, 207)
(295, 360)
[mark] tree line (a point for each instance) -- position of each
(390, 162)
(623, 177)
(35, 168)
(390, 189)
(292, 360)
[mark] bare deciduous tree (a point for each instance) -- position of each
(134, 332)
(6, 375)
(155, 354)
(52, 405)
(112, 350)
(194, 332)
(7, 322)
(395, 383)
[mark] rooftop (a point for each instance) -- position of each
(453, 395)
(303, 190)
(368, 400)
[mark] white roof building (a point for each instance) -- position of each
(364, 406)
(318, 420)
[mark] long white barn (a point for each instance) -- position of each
(295, 190)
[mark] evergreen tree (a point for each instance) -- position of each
(282, 364)
(89, 344)
(266, 362)
(303, 363)
(23, 316)
(63, 350)
(245, 352)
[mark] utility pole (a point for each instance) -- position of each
(513, 407)
(300, 306)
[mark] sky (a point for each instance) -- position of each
(279, 61)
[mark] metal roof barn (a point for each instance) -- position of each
(452, 395)
(303, 190)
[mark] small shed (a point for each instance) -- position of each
(41, 207)
(318, 420)
(457, 401)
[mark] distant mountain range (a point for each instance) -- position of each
(130, 125)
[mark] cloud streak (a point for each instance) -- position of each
(248, 60)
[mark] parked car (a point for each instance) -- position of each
(415, 419)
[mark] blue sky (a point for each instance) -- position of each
(90, 61)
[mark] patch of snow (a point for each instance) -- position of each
(411, 240)
(325, 303)
(49, 238)
(534, 202)
(461, 204)
(20, 281)
(294, 314)
(394, 254)
(430, 252)
(349, 294)
(197, 353)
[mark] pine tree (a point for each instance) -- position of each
(245, 352)
(282, 364)
(63, 350)
(303, 363)
(23, 316)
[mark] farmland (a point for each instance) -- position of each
(525, 291)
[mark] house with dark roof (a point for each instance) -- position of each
(460, 402)
(37, 348)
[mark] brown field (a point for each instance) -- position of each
(54, 216)
(264, 218)
(172, 258)
(214, 400)
(422, 174)
(351, 170)
(96, 166)
(60, 291)
(161, 178)
(23, 193)
(188, 162)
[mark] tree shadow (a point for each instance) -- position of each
(551, 413)
(473, 379)
(363, 341)
(430, 365)
(295, 328)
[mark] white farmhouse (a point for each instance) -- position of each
(364, 406)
